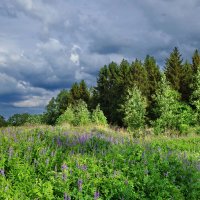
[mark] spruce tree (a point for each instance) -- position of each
(195, 61)
(186, 82)
(173, 69)
(153, 75)
(195, 97)
(138, 77)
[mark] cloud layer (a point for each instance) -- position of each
(46, 45)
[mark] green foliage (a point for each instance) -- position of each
(173, 69)
(82, 114)
(138, 77)
(195, 61)
(67, 117)
(153, 75)
(52, 112)
(98, 117)
(79, 92)
(18, 119)
(171, 113)
(186, 82)
(134, 109)
(53, 164)
(2, 121)
(195, 98)
(34, 119)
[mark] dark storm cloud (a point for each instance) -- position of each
(46, 45)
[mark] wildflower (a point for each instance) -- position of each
(2, 172)
(64, 177)
(64, 167)
(96, 195)
(66, 197)
(80, 182)
(84, 167)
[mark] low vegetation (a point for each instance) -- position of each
(98, 163)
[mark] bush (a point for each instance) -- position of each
(67, 117)
(134, 109)
(98, 116)
(34, 119)
(172, 114)
(82, 115)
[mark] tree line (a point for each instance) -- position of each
(122, 86)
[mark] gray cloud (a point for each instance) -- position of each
(46, 45)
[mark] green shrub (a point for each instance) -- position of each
(82, 114)
(134, 109)
(98, 116)
(172, 114)
(195, 98)
(67, 117)
(34, 119)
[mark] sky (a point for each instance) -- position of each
(46, 45)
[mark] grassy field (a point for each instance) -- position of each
(96, 163)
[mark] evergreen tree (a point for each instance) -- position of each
(138, 77)
(2, 121)
(84, 92)
(186, 82)
(106, 90)
(195, 61)
(153, 75)
(173, 69)
(62, 101)
(52, 112)
(75, 92)
(79, 92)
(195, 97)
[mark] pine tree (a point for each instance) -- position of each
(173, 69)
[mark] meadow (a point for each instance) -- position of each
(97, 163)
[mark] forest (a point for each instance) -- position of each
(130, 95)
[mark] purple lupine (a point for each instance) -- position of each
(2, 172)
(64, 167)
(66, 197)
(96, 195)
(64, 177)
(80, 183)
(84, 167)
